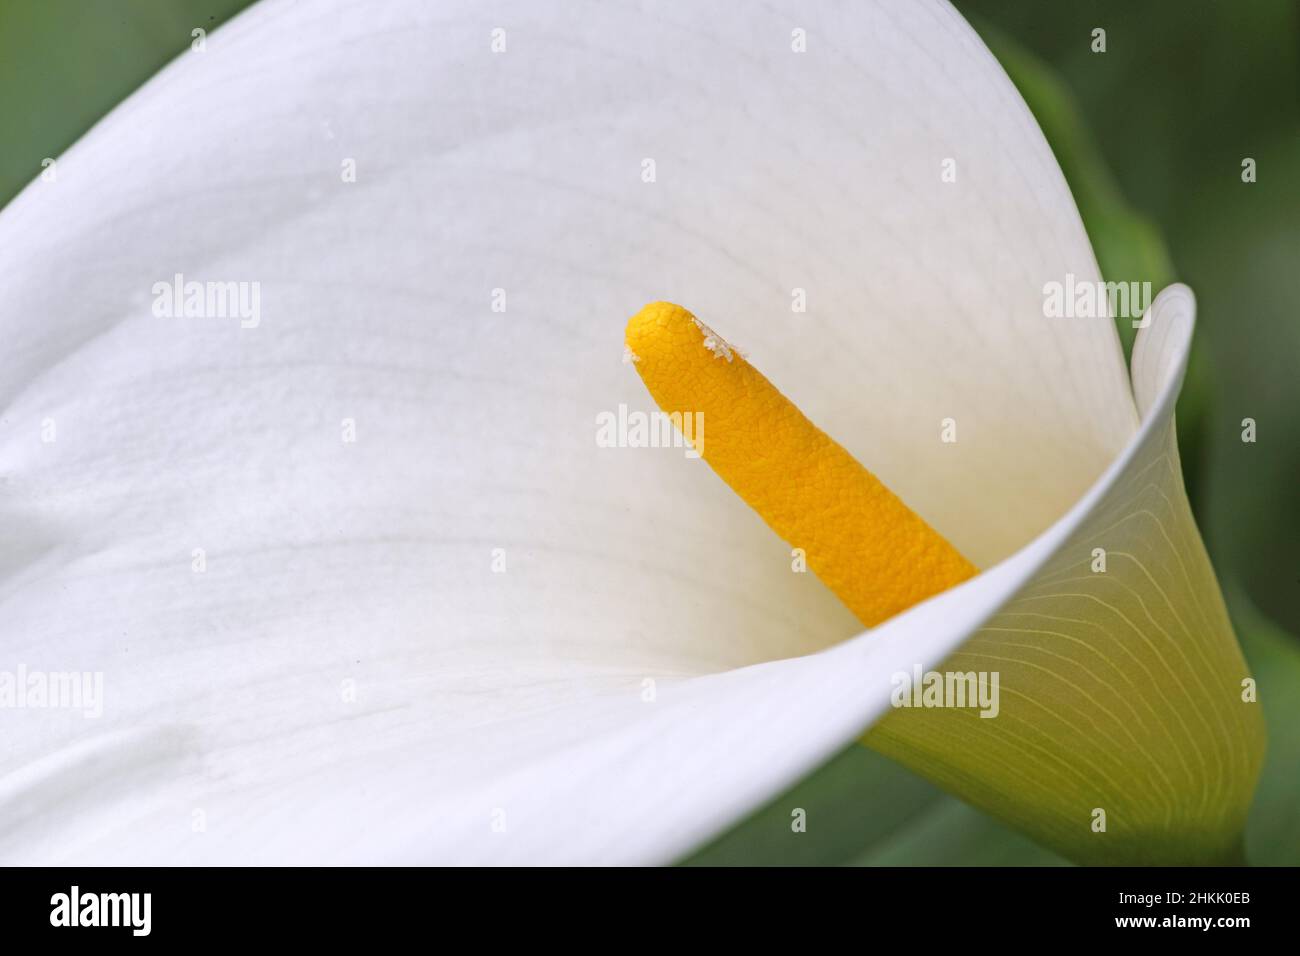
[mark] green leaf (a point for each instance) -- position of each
(66, 63)
(1273, 832)
(1242, 242)
(863, 809)
(953, 834)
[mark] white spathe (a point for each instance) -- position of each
(349, 679)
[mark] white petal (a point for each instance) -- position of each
(604, 776)
(370, 562)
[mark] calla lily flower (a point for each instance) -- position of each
(359, 582)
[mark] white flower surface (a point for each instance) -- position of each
(434, 621)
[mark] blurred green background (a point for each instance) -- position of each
(1151, 135)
